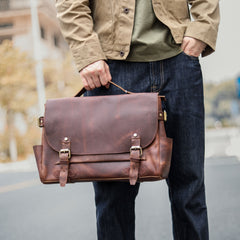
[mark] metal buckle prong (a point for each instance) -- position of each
(65, 150)
(136, 148)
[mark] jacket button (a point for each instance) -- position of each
(121, 53)
(126, 10)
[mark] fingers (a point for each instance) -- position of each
(192, 46)
(95, 75)
(106, 76)
(184, 43)
(90, 83)
(85, 83)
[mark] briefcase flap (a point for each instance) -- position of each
(101, 124)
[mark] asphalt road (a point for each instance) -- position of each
(32, 211)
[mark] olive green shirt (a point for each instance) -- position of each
(151, 39)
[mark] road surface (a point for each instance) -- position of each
(32, 211)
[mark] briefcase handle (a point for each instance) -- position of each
(83, 90)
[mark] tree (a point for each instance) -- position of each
(18, 93)
(17, 89)
(61, 78)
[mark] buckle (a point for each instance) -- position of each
(165, 115)
(65, 150)
(41, 122)
(134, 148)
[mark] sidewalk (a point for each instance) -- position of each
(224, 142)
(28, 165)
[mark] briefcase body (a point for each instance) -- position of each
(104, 138)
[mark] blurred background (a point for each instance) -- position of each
(35, 65)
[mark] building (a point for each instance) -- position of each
(15, 24)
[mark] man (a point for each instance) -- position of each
(149, 45)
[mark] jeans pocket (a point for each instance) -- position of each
(189, 56)
(110, 61)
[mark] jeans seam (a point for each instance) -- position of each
(152, 77)
(173, 211)
(161, 76)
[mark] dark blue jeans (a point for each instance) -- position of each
(178, 78)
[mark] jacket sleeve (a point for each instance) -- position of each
(76, 24)
(205, 23)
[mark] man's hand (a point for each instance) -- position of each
(96, 75)
(192, 46)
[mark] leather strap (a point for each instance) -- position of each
(135, 158)
(83, 90)
(64, 156)
(162, 115)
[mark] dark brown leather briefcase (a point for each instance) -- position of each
(104, 138)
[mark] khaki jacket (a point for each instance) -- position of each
(102, 29)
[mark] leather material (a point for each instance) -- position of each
(64, 155)
(100, 131)
(135, 157)
(86, 122)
